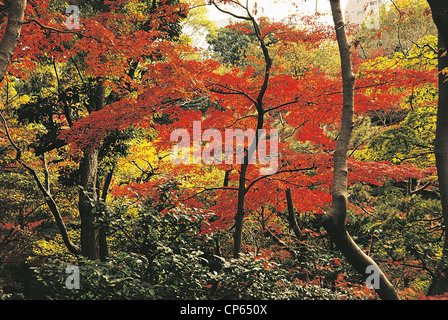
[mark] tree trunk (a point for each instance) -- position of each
(45, 189)
(291, 215)
(87, 199)
(439, 10)
(439, 283)
(239, 217)
(334, 222)
(88, 193)
(104, 225)
(16, 10)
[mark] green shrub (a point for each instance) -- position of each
(174, 261)
(116, 279)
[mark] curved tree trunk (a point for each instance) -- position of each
(258, 104)
(334, 222)
(439, 282)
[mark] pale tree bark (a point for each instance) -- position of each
(439, 9)
(16, 12)
(334, 222)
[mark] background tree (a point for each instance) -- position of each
(171, 228)
(439, 11)
(402, 24)
(92, 86)
(335, 221)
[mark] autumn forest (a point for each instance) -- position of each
(148, 152)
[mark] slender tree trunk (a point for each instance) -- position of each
(334, 222)
(291, 215)
(239, 217)
(439, 10)
(226, 178)
(268, 233)
(45, 189)
(104, 225)
(258, 103)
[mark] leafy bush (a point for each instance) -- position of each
(173, 263)
(124, 278)
(116, 279)
(253, 277)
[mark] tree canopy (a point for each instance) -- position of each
(166, 169)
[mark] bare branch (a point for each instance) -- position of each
(281, 171)
(60, 31)
(208, 189)
(230, 13)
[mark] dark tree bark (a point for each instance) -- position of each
(439, 9)
(89, 193)
(258, 103)
(104, 225)
(334, 222)
(86, 205)
(291, 215)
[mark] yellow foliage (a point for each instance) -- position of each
(52, 247)
(145, 163)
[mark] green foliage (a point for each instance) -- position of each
(230, 45)
(298, 58)
(173, 267)
(116, 279)
(410, 137)
(403, 232)
(253, 277)
(402, 24)
(410, 141)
